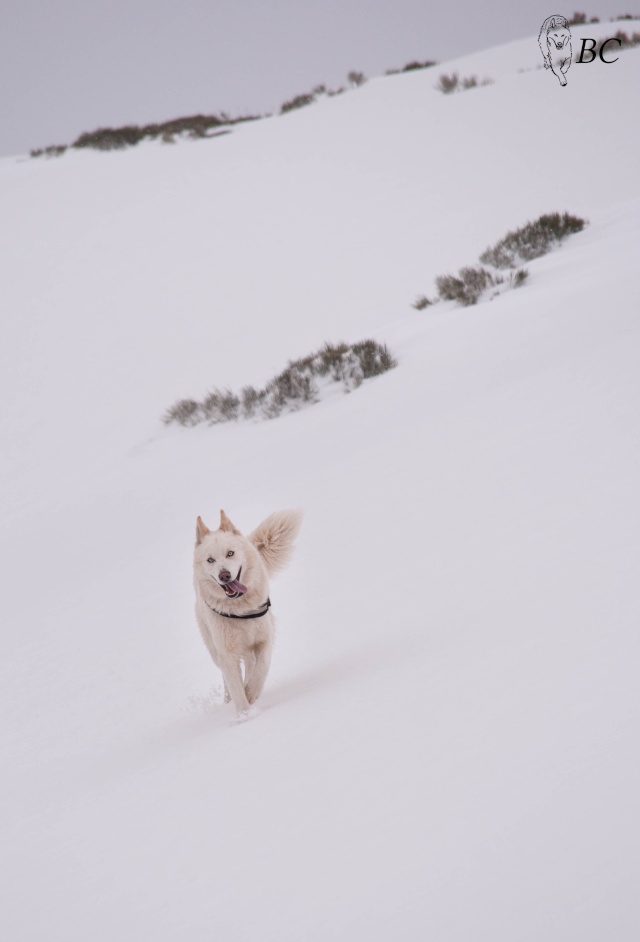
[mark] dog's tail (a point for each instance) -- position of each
(274, 538)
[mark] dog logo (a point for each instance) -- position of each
(555, 45)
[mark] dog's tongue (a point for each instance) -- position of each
(235, 586)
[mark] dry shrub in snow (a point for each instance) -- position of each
(296, 386)
(532, 240)
(467, 287)
(356, 78)
(300, 101)
(453, 83)
(524, 244)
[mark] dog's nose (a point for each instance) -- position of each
(224, 575)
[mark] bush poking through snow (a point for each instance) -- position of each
(300, 101)
(220, 406)
(453, 83)
(467, 288)
(448, 83)
(517, 278)
(54, 150)
(421, 302)
(532, 240)
(184, 412)
(412, 67)
(356, 79)
(292, 389)
(194, 127)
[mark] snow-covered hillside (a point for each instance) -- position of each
(446, 747)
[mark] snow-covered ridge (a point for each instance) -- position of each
(199, 126)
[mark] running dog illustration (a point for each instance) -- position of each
(555, 45)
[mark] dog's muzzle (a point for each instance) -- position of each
(233, 587)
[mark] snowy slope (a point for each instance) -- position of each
(446, 744)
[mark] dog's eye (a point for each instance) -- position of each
(211, 560)
(230, 553)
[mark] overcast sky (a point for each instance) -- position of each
(68, 66)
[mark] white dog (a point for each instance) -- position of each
(231, 579)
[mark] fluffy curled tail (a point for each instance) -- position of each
(274, 538)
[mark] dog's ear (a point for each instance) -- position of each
(201, 531)
(274, 537)
(226, 525)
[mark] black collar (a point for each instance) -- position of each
(264, 608)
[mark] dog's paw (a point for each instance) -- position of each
(249, 714)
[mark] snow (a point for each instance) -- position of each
(446, 745)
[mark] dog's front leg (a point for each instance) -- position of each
(249, 658)
(232, 673)
(259, 673)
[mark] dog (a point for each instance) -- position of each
(555, 45)
(231, 578)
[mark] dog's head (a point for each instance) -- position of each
(558, 38)
(224, 559)
(231, 565)
(554, 34)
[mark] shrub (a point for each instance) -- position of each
(467, 288)
(448, 83)
(413, 66)
(517, 278)
(577, 19)
(421, 302)
(453, 83)
(195, 126)
(532, 240)
(54, 150)
(184, 412)
(250, 401)
(220, 406)
(300, 101)
(290, 389)
(296, 386)
(481, 84)
(356, 78)
(110, 138)
(528, 242)
(498, 256)
(374, 358)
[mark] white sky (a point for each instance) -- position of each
(70, 67)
